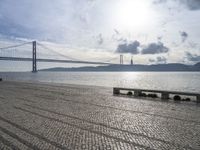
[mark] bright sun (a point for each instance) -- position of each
(132, 14)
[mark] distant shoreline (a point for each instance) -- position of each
(173, 67)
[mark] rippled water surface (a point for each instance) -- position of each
(181, 81)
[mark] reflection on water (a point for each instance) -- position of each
(181, 81)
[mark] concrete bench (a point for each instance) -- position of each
(164, 94)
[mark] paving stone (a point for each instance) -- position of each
(55, 116)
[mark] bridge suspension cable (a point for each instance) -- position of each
(109, 60)
(47, 48)
(9, 53)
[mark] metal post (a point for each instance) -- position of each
(116, 91)
(198, 98)
(34, 57)
(137, 93)
(164, 96)
(121, 60)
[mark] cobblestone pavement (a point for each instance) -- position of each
(52, 116)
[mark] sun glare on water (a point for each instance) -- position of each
(132, 14)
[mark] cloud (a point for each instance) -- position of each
(131, 48)
(63, 21)
(159, 1)
(190, 4)
(192, 57)
(116, 31)
(15, 18)
(117, 36)
(184, 36)
(100, 39)
(159, 59)
(193, 4)
(155, 48)
(193, 45)
(159, 38)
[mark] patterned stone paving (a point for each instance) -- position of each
(54, 116)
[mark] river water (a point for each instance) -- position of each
(179, 81)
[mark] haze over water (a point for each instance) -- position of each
(179, 81)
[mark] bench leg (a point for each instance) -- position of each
(164, 96)
(116, 91)
(137, 93)
(198, 98)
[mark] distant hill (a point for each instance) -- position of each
(135, 67)
(197, 65)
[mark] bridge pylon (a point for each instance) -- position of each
(34, 58)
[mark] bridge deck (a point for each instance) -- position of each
(53, 60)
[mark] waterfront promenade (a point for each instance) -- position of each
(54, 116)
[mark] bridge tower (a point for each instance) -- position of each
(34, 58)
(131, 60)
(121, 60)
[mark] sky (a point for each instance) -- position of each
(150, 31)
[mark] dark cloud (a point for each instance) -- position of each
(155, 48)
(184, 36)
(190, 4)
(131, 48)
(159, 59)
(193, 4)
(159, 38)
(159, 1)
(100, 39)
(9, 28)
(192, 57)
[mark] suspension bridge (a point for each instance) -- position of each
(12, 52)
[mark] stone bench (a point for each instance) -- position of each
(164, 94)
